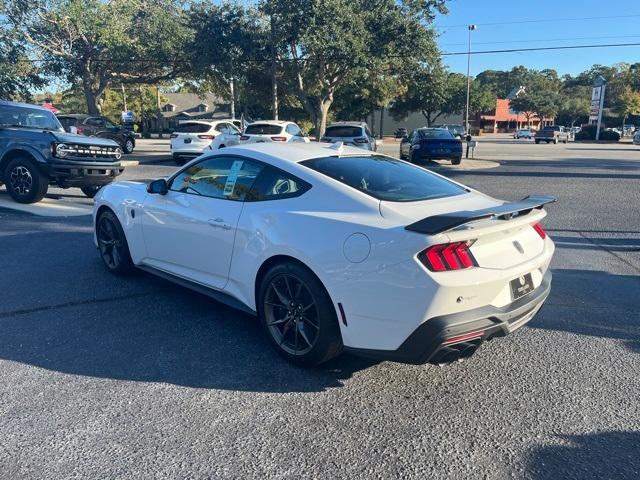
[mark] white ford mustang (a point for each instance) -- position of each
(336, 249)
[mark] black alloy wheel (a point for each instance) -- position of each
(24, 181)
(298, 315)
(128, 146)
(112, 244)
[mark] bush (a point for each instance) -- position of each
(588, 132)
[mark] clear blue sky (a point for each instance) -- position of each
(623, 29)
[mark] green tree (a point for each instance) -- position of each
(18, 75)
(627, 103)
(322, 43)
(574, 105)
(525, 105)
(97, 43)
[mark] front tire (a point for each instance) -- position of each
(456, 161)
(298, 315)
(178, 159)
(112, 244)
(24, 181)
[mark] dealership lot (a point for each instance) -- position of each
(104, 377)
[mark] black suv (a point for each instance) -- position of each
(35, 151)
(98, 127)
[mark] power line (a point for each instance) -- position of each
(565, 39)
(259, 60)
(542, 20)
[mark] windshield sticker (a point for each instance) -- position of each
(232, 177)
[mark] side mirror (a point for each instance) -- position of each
(158, 187)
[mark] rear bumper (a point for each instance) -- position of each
(81, 174)
(485, 323)
(417, 155)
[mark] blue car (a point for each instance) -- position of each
(424, 144)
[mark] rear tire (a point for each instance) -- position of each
(128, 146)
(91, 190)
(24, 181)
(537, 142)
(112, 244)
(456, 161)
(178, 159)
(298, 315)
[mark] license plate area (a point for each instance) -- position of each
(521, 286)
(187, 140)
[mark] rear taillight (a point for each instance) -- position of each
(279, 139)
(207, 137)
(361, 140)
(449, 256)
(173, 135)
(540, 231)
(244, 137)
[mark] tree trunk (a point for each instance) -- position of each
(381, 122)
(89, 95)
(322, 111)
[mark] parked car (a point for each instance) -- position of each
(401, 132)
(355, 134)
(523, 133)
(552, 134)
(431, 144)
(636, 137)
(95, 126)
(457, 131)
(192, 137)
(272, 131)
(35, 152)
(463, 266)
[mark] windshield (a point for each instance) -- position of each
(25, 117)
(263, 129)
(435, 133)
(385, 178)
(343, 131)
(456, 128)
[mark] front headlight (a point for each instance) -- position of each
(62, 150)
(118, 153)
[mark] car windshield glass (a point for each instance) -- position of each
(263, 129)
(25, 117)
(193, 128)
(456, 128)
(343, 131)
(435, 134)
(385, 178)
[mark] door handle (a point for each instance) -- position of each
(219, 222)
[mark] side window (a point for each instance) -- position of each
(274, 184)
(95, 122)
(290, 130)
(218, 177)
(367, 132)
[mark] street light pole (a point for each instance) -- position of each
(466, 123)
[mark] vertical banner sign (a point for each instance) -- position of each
(597, 104)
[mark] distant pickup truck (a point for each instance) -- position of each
(552, 134)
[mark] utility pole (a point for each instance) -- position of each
(466, 123)
(124, 98)
(233, 97)
(274, 72)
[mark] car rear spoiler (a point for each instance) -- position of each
(441, 223)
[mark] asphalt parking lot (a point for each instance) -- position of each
(102, 377)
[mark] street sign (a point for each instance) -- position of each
(127, 117)
(597, 103)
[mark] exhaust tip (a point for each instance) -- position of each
(446, 355)
(466, 349)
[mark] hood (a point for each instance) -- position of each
(83, 140)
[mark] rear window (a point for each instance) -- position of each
(193, 128)
(263, 129)
(343, 131)
(435, 134)
(385, 178)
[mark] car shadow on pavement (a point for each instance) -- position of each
(605, 455)
(594, 303)
(163, 333)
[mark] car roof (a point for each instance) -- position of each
(74, 115)
(7, 103)
(431, 128)
(347, 124)
(269, 122)
(294, 152)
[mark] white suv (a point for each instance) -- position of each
(272, 131)
(636, 137)
(356, 134)
(192, 137)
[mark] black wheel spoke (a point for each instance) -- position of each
(278, 322)
(283, 299)
(310, 322)
(302, 334)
